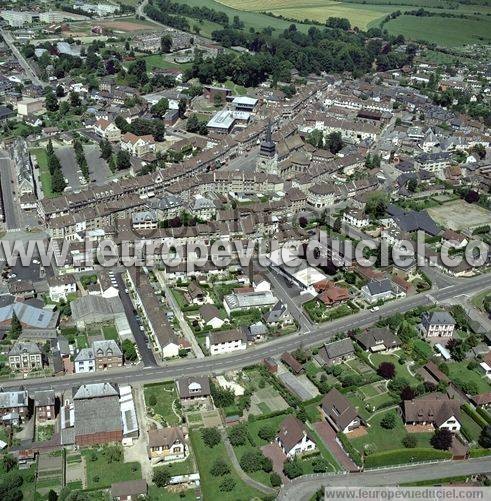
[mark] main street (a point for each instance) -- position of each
(25, 65)
(222, 363)
(304, 487)
(8, 182)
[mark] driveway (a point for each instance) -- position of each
(278, 457)
(328, 435)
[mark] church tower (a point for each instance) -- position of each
(268, 159)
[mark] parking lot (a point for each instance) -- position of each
(98, 168)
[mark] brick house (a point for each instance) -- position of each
(107, 354)
(45, 405)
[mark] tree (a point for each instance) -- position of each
(113, 453)
(275, 479)
(60, 91)
(457, 348)
(161, 476)
(388, 421)
(397, 384)
(152, 400)
(316, 138)
(217, 101)
(52, 496)
(227, 484)
(51, 101)
(485, 437)
(255, 460)
(166, 43)
(237, 435)
(160, 108)
(222, 397)
(182, 106)
(412, 185)
(442, 439)
(123, 160)
(219, 468)
(334, 142)
(267, 433)
(386, 370)
(409, 441)
(407, 393)
(293, 468)
(106, 149)
(210, 436)
(320, 465)
(15, 326)
(75, 101)
(9, 462)
(129, 350)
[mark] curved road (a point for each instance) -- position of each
(237, 360)
(304, 487)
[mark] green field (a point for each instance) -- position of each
(440, 30)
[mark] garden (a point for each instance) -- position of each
(162, 402)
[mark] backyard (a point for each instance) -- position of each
(162, 400)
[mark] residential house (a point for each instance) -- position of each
(25, 357)
(226, 341)
(60, 286)
(107, 354)
(356, 218)
(84, 361)
(289, 360)
(260, 284)
(194, 293)
(436, 409)
(248, 300)
(453, 239)
(210, 316)
(167, 444)
(44, 405)
(333, 295)
(378, 339)
(107, 130)
(336, 352)
(339, 412)
(294, 438)
(278, 316)
(137, 146)
(437, 324)
(380, 290)
(192, 388)
(14, 406)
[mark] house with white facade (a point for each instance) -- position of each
(339, 412)
(60, 286)
(380, 290)
(294, 438)
(137, 146)
(226, 341)
(436, 409)
(356, 218)
(107, 130)
(437, 324)
(84, 361)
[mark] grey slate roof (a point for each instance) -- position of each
(379, 286)
(336, 349)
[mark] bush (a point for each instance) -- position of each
(275, 479)
(152, 400)
(161, 476)
(293, 468)
(409, 441)
(267, 433)
(401, 456)
(219, 468)
(442, 439)
(388, 421)
(210, 436)
(386, 370)
(254, 460)
(227, 484)
(237, 435)
(320, 465)
(350, 450)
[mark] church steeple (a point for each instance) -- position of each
(268, 148)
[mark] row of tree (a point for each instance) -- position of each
(58, 183)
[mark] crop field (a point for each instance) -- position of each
(369, 13)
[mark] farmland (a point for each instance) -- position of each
(366, 14)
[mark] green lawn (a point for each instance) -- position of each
(158, 61)
(205, 457)
(442, 31)
(81, 341)
(403, 456)
(379, 439)
(255, 426)
(478, 300)
(44, 174)
(110, 332)
(101, 474)
(470, 425)
(401, 370)
(161, 494)
(165, 394)
(458, 372)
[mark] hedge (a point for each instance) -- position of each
(467, 434)
(477, 453)
(401, 456)
(474, 415)
(484, 414)
(348, 447)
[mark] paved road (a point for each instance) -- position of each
(146, 353)
(8, 180)
(25, 65)
(237, 360)
(304, 487)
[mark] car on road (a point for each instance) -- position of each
(126, 291)
(375, 308)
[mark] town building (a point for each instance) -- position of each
(25, 357)
(437, 324)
